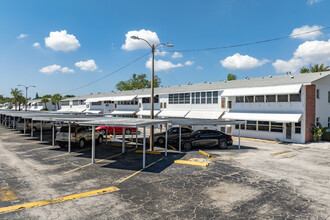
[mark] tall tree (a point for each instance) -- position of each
(15, 93)
(315, 68)
(69, 96)
(137, 82)
(231, 77)
(56, 98)
(45, 99)
(21, 100)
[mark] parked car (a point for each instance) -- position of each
(36, 125)
(119, 130)
(172, 135)
(207, 138)
(80, 135)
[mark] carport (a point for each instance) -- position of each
(125, 122)
(186, 121)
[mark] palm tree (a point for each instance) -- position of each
(15, 92)
(21, 100)
(315, 68)
(45, 99)
(56, 98)
(231, 77)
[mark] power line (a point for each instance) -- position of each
(113, 72)
(251, 43)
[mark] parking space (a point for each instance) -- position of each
(261, 180)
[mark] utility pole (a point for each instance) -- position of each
(26, 93)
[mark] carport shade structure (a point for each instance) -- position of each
(125, 122)
(185, 121)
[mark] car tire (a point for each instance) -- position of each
(187, 146)
(223, 144)
(128, 132)
(82, 143)
(100, 139)
(161, 141)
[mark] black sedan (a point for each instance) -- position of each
(172, 135)
(207, 138)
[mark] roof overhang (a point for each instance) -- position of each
(199, 114)
(147, 112)
(124, 98)
(263, 116)
(173, 113)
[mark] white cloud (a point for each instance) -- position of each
(311, 2)
(162, 65)
(21, 36)
(67, 70)
(177, 55)
(55, 69)
(306, 53)
(131, 44)
(160, 53)
(304, 29)
(88, 65)
(36, 45)
(61, 41)
(189, 63)
(240, 62)
(50, 69)
(199, 67)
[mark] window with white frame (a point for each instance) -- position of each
(317, 93)
(251, 125)
(263, 125)
(297, 127)
(276, 127)
(282, 98)
(239, 99)
(203, 94)
(249, 99)
(215, 97)
(270, 98)
(295, 98)
(260, 98)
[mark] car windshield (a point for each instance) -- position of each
(66, 129)
(195, 133)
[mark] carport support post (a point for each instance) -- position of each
(136, 137)
(180, 138)
(166, 128)
(123, 141)
(24, 125)
(31, 127)
(40, 130)
(114, 132)
(53, 134)
(69, 138)
(14, 123)
(144, 148)
(93, 144)
(239, 136)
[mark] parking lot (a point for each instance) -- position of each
(260, 180)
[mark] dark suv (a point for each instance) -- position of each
(172, 135)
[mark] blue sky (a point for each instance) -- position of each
(62, 45)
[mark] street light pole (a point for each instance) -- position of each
(26, 92)
(153, 48)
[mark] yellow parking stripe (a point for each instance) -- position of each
(147, 152)
(204, 153)
(281, 152)
(194, 163)
(7, 194)
(173, 148)
(291, 156)
(58, 200)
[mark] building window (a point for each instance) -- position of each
(270, 98)
(75, 102)
(260, 98)
(317, 121)
(65, 103)
(108, 102)
(318, 93)
(276, 127)
(282, 98)
(198, 97)
(328, 122)
(164, 104)
(209, 97)
(187, 98)
(203, 97)
(297, 128)
(170, 99)
(181, 98)
(239, 99)
(263, 125)
(176, 99)
(242, 126)
(329, 97)
(249, 98)
(192, 98)
(223, 103)
(96, 103)
(215, 97)
(295, 98)
(251, 125)
(87, 106)
(145, 100)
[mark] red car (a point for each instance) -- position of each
(119, 130)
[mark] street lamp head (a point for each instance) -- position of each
(135, 38)
(169, 45)
(20, 85)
